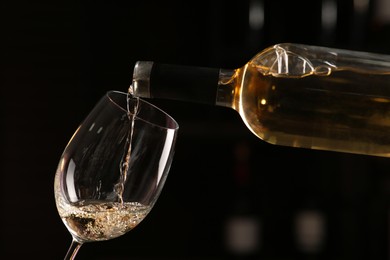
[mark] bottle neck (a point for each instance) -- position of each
(226, 89)
(175, 82)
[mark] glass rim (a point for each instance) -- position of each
(174, 125)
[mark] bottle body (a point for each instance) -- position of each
(312, 97)
(327, 101)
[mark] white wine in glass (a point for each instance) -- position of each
(113, 168)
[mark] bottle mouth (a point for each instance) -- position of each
(141, 79)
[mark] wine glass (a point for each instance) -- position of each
(113, 168)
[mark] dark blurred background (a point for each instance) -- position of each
(228, 195)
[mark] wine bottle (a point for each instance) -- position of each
(290, 94)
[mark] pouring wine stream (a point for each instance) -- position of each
(124, 165)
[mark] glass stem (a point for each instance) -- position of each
(73, 249)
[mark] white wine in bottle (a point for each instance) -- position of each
(290, 94)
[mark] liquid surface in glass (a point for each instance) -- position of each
(101, 221)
